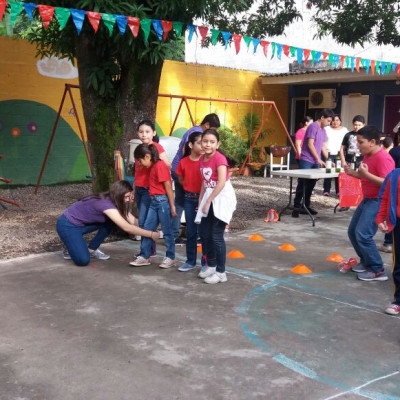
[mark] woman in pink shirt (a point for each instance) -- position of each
(299, 136)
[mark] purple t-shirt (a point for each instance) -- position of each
(314, 131)
(89, 211)
(179, 154)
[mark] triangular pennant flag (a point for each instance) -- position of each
(214, 36)
(324, 55)
(265, 45)
(158, 28)
(293, 51)
(299, 55)
(62, 15)
(29, 7)
(255, 42)
(121, 23)
(3, 5)
(368, 63)
(388, 67)
(383, 67)
(226, 36)
(109, 21)
(394, 66)
(134, 24)
(273, 47)
(16, 8)
(191, 29)
(167, 28)
(237, 39)
(317, 56)
(342, 60)
(358, 60)
(247, 40)
(347, 61)
(46, 13)
(78, 16)
(279, 48)
(398, 69)
(306, 53)
(336, 60)
(377, 67)
(286, 49)
(94, 19)
(352, 63)
(363, 61)
(145, 25)
(177, 26)
(203, 33)
(330, 59)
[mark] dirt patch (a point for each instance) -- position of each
(31, 229)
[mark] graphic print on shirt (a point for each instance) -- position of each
(208, 182)
(353, 146)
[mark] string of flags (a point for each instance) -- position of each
(163, 28)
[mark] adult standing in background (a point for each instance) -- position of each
(210, 121)
(334, 133)
(395, 152)
(299, 136)
(311, 152)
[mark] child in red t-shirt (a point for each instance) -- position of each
(188, 172)
(162, 205)
(147, 134)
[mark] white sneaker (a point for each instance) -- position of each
(140, 261)
(99, 255)
(66, 255)
(208, 272)
(216, 278)
(167, 263)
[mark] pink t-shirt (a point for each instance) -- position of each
(379, 164)
(300, 136)
(209, 169)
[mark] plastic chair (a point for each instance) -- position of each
(120, 168)
(280, 154)
(350, 191)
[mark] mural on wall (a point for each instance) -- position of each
(25, 129)
(54, 67)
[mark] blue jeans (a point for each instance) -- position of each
(361, 231)
(305, 185)
(72, 237)
(159, 212)
(190, 205)
(214, 247)
(179, 205)
(143, 201)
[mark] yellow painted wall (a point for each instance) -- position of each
(206, 81)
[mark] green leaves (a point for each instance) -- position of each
(103, 79)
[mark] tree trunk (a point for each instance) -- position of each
(111, 123)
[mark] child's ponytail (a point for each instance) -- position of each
(143, 149)
(192, 138)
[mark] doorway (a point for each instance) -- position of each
(391, 114)
(353, 105)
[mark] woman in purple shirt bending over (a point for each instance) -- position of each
(97, 213)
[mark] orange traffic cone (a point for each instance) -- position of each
(235, 254)
(336, 258)
(301, 269)
(287, 247)
(256, 238)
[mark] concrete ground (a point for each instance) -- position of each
(110, 331)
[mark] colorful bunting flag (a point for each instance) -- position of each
(214, 36)
(388, 67)
(78, 16)
(299, 55)
(16, 8)
(279, 48)
(293, 51)
(62, 15)
(358, 60)
(247, 40)
(237, 39)
(167, 28)
(121, 23)
(306, 53)
(203, 33)
(273, 47)
(177, 26)
(29, 7)
(265, 45)
(134, 24)
(226, 36)
(94, 19)
(352, 63)
(368, 63)
(255, 42)
(191, 29)
(158, 28)
(46, 13)
(398, 69)
(3, 5)
(145, 25)
(324, 55)
(286, 50)
(109, 22)
(342, 59)
(377, 67)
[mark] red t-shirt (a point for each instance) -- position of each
(159, 173)
(141, 173)
(379, 164)
(190, 170)
(209, 169)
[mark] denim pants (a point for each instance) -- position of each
(190, 206)
(306, 185)
(179, 205)
(396, 262)
(72, 237)
(214, 247)
(143, 200)
(159, 212)
(361, 231)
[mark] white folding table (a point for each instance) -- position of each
(313, 173)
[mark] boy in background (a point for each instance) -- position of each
(376, 164)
